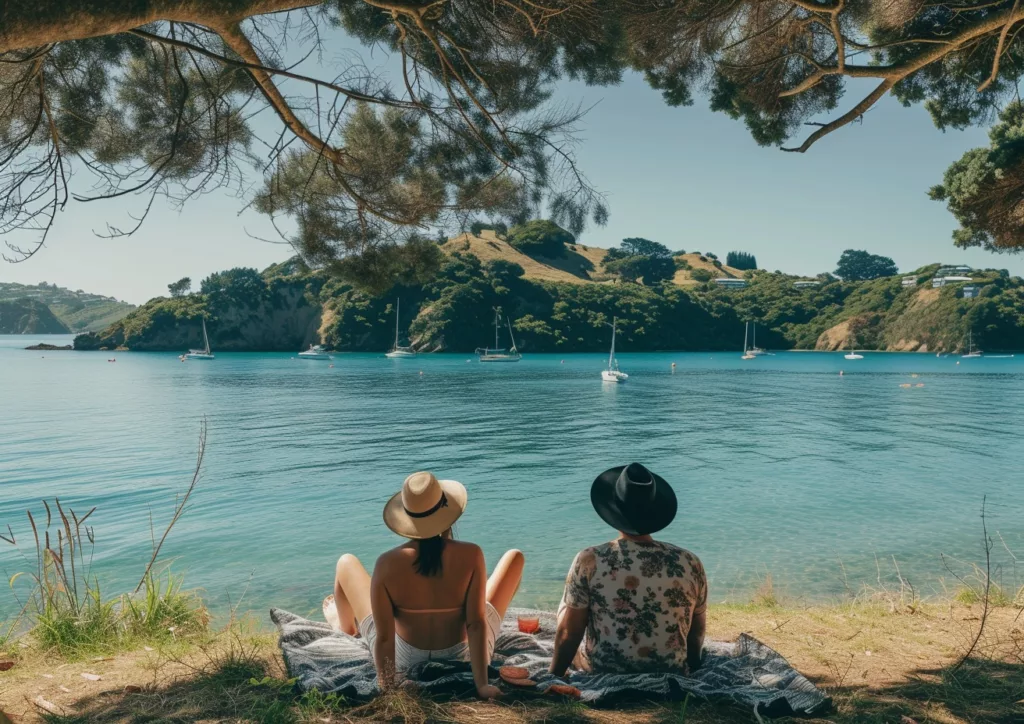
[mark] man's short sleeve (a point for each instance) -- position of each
(577, 583)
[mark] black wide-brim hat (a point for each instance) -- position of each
(632, 499)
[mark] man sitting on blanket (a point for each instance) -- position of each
(635, 604)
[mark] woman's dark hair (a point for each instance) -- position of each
(429, 558)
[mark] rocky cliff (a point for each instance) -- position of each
(28, 316)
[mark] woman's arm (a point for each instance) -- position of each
(384, 620)
(695, 640)
(476, 627)
(572, 624)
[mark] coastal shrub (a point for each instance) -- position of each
(540, 237)
(681, 263)
(709, 255)
(857, 265)
(652, 269)
(638, 246)
(701, 275)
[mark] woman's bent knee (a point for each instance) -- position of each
(347, 562)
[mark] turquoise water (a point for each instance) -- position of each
(780, 464)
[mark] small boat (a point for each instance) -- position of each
(398, 351)
(315, 351)
(852, 354)
(496, 354)
(754, 349)
(747, 354)
(203, 353)
(971, 352)
(613, 373)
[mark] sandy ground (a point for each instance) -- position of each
(880, 661)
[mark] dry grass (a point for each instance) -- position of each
(683, 278)
(879, 664)
(575, 268)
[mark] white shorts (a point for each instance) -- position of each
(407, 656)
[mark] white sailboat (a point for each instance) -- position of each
(203, 353)
(613, 374)
(398, 351)
(496, 354)
(747, 354)
(315, 351)
(971, 352)
(754, 349)
(852, 354)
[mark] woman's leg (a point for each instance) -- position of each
(351, 595)
(504, 582)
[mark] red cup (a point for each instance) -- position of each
(529, 624)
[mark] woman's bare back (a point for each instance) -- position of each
(429, 610)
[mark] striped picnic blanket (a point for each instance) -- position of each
(745, 671)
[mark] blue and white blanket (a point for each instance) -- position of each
(746, 671)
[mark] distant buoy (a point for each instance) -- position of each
(563, 361)
(919, 384)
(330, 366)
(958, 361)
(421, 373)
(673, 365)
(905, 384)
(915, 376)
(840, 373)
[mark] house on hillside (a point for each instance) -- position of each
(728, 283)
(806, 284)
(908, 282)
(946, 281)
(958, 270)
(971, 291)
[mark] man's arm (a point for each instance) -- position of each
(572, 625)
(695, 640)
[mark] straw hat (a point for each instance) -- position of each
(633, 499)
(426, 506)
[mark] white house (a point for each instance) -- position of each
(958, 270)
(806, 284)
(909, 282)
(944, 281)
(728, 283)
(971, 291)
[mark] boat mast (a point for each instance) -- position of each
(206, 340)
(398, 309)
(746, 331)
(497, 321)
(510, 336)
(611, 355)
(755, 335)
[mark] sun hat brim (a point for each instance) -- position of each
(651, 518)
(434, 524)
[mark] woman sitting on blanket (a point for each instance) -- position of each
(429, 599)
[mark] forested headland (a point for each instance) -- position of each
(562, 304)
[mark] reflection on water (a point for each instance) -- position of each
(779, 463)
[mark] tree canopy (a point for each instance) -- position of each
(177, 98)
(741, 260)
(540, 237)
(180, 288)
(636, 246)
(860, 265)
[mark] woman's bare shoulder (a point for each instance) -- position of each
(465, 549)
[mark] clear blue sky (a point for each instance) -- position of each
(686, 177)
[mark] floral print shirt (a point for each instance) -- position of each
(641, 597)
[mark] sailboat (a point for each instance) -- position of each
(499, 354)
(754, 349)
(613, 374)
(747, 354)
(203, 353)
(398, 350)
(971, 352)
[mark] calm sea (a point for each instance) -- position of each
(781, 465)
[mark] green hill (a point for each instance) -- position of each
(287, 307)
(79, 311)
(28, 316)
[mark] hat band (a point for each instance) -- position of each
(442, 503)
